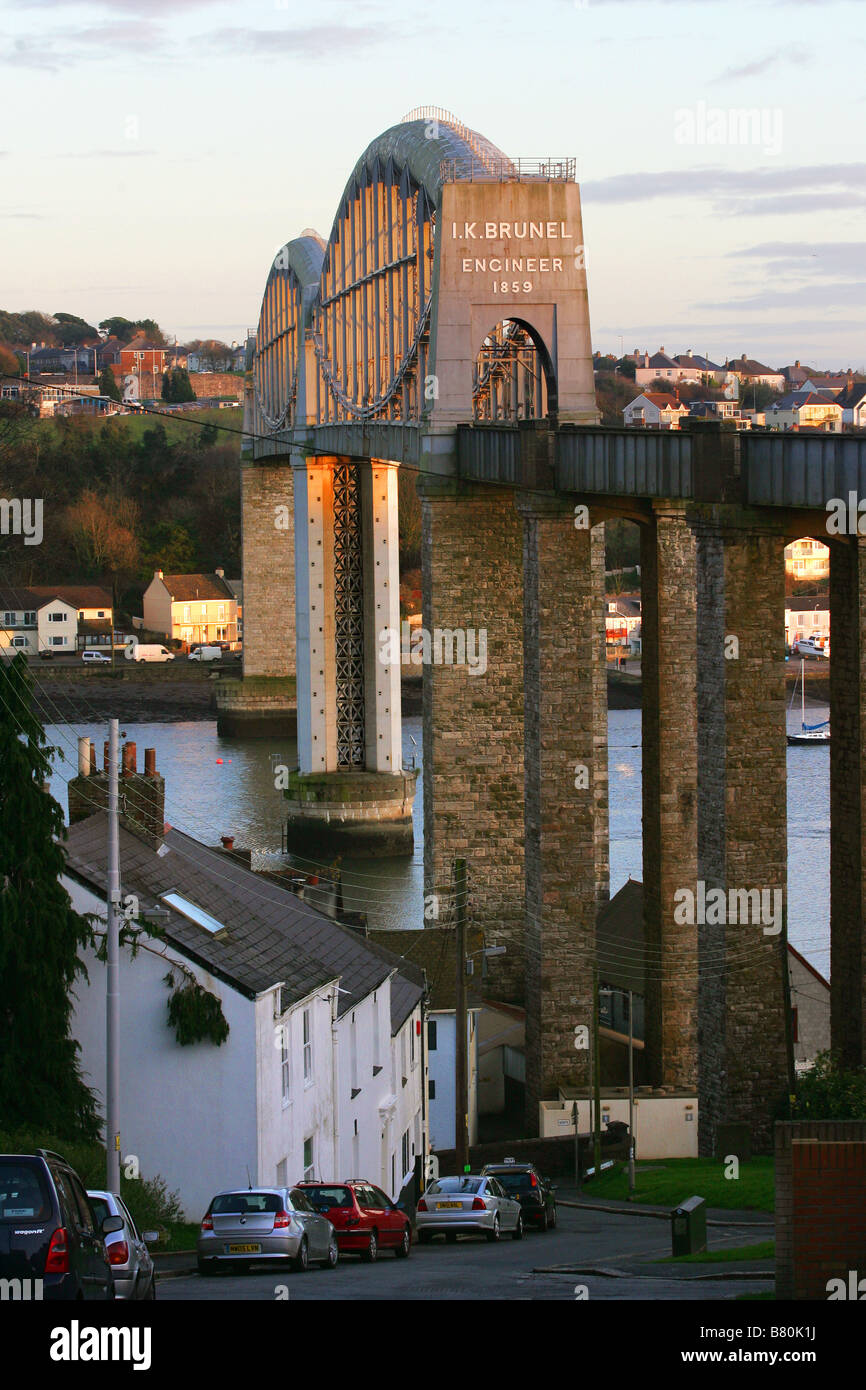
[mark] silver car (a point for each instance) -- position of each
(264, 1224)
(468, 1205)
(128, 1255)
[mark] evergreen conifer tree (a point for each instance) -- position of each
(41, 934)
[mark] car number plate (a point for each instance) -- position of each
(448, 1206)
(243, 1249)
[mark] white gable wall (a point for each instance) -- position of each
(307, 1113)
(187, 1113)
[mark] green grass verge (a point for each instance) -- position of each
(764, 1250)
(673, 1180)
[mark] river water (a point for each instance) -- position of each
(225, 786)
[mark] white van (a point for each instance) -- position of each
(147, 651)
(205, 653)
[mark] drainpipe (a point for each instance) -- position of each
(335, 1079)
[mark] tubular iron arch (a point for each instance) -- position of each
(280, 334)
(513, 377)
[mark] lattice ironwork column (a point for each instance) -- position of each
(349, 615)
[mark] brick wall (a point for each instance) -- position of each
(820, 1205)
(208, 384)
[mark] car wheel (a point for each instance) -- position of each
(301, 1262)
(517, 1233)
(333, 1253)
(151, 1289)
(543, 1223)
(553, 1219)
(425, 1237)
(206, 1268)
(369, 1255)
(402, 1250)
(494, 1234)
(451, 1237)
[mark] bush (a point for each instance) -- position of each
(149, 1201)
(828, 1092)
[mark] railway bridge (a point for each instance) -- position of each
(443, 327)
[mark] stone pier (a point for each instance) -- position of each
(566, 823)
(742, 823)
(847, 793)
(472, 562)
(670, 777)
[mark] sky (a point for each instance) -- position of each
(154, 157)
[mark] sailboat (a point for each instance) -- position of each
(810, 734)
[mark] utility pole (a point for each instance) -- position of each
(461, 1085)
(596, 1077)
(630, 1095)
(112, 1001)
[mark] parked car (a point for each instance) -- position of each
(95, 658)
(365, 1219)
(46, 653)
(535, 1194)
(472, 1204)
(50, 1232)
(131, 1264)
(264, 1224)
(147, 651)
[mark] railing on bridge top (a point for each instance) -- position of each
(476, 170)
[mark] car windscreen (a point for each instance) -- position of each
(324, 1198)
(246, 1203)
(24, 1191)
(455, 1185)
(515, 1182)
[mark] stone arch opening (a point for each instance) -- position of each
(513, 377)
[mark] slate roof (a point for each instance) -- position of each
(797, 398)
(853, 396)
(272, 934)
(185, 588)
(81, 595)
(430, 954)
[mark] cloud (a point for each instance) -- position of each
(796, 53)
(734, 192)
(106, 154)
(317, 41)
(807, 257)
(842, 294)
(62, 48)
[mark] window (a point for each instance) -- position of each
(100, 613)
(194, 913)
(58, 641)
(187, 613)
(204, 610)
(431, 1090)
(431, 1035)
(221, 613)
(9, 619)
(404, 1153)
(57, 617)
(284, 1065)
(19, 641)
(411, 1045)
(30, 619)
(308, 1049)
(309, 1165)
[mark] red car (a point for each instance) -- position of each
(366, 1221)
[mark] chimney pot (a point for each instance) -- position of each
(129, 759)
(105, 757)
(84, 757)
(150, 762)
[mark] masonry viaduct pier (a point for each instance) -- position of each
(443, 327)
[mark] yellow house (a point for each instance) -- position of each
(807, 559)
(192, 608)
(805, 410)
